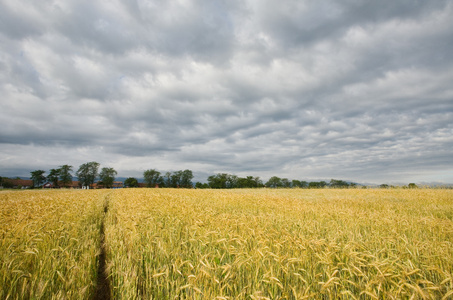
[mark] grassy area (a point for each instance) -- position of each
(228, 244)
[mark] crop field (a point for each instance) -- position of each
(49, 244)
(228, 244)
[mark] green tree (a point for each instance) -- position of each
(65, 175)
(298, 183)
(412, 186)
(179, 178)
(200, 185)
(53, 176)
(338, 183)
(182, 179)
(186, 179)
(295, 183)
(131, 182)
(175, 179)
(152, 177)
(231, 181)
(218, 181)
(7, 184)
(249, 182)
(167, 179)
(243, 182)
(87, 173)
(286, 183)
(38, 177)
(107, 176)
(274, 182)
(258, 182)
(317, 184)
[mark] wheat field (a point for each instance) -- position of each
(49, 244)
(229, 244)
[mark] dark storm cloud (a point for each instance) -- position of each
(298, 89)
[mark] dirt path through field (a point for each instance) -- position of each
(103, 283)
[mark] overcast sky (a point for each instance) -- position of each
(354, 90)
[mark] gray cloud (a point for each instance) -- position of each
(298, 89)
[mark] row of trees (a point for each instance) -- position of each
(409, 186)
(229, 181)
(276, 182)
(89, 172)
(225, 181)
(61, 176)
(87, 175)
(154, 178)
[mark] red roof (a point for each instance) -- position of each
(144, 185)
(17, 182)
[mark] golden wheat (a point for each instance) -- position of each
(229, 244)
(281, 244)
(49, 244)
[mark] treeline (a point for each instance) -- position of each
(60, 176)
(88, 174)
(153, 178)
(230, 181)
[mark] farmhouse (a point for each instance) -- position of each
(100, 185)
(145, 185)
(47, 185)
(16, 183)
(72, 185)
(117, 185)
